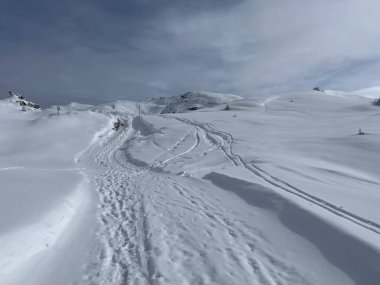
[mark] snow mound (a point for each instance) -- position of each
(191, 101)
(143, 127)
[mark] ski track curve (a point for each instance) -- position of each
(132, 240)
(226, 141)
(124, 255)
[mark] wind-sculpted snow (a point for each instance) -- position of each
(339, 247)
(44, 200)
(276, 190)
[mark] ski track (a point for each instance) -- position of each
(128, 253)
(135, 246)
(124, 255)
(240, 247)
(120, 212)
(226, 141)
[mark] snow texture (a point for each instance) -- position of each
(281, 190)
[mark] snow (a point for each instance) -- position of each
(16, 99)
(196, 100)
(278, 190)
(372, 92)
(42, 189)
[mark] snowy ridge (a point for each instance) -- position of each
(16, 99)
(372, 92)
(191, 101)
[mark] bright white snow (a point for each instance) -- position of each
(277, 190)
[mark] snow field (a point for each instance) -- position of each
(278, 190)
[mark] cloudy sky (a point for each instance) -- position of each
(101, 50)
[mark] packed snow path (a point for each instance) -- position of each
(164, 222)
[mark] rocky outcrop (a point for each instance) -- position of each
(193, 101)
(25, 104)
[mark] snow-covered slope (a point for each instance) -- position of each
(44, 200)
(372, 92)
(337, 93)
(192, 101)
(279, 190)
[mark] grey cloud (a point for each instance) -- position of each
(104, 50)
